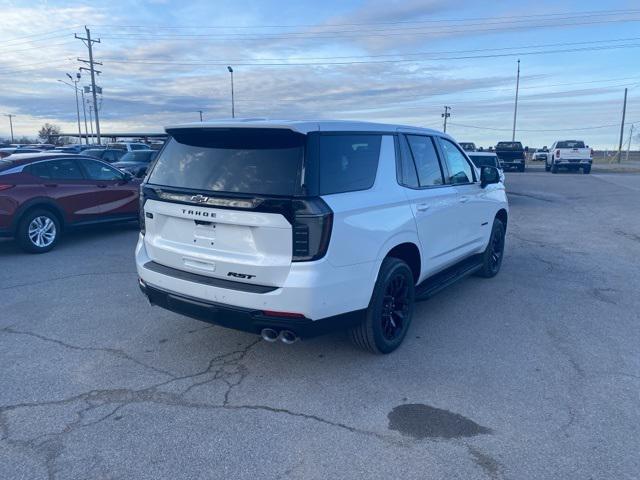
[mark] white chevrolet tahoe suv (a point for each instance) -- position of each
(290, 229)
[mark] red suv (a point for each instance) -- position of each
(43, 193)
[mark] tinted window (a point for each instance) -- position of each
(244, 160)
(426, 160)
(100, 171)
(143, 156)
(459, 169)
(509, 146)
(65, 170)
(348, 162)
(484, 160)
(409, 174)
(40, 169)
(570, 144)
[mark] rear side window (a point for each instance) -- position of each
(40, 169)
(241, 160)
(426, 160)
(459, 169)
(348, 162)
(100, 171)
(65, 170)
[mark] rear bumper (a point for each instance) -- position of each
(245, 319)
(316, 290)
(564, 163)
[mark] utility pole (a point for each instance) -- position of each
(629, 144)
(75, 87)
(624, 112)
(10, 123)
(89, 43)
(200, 112)
(515, 110)
(233, 106)
(445, 115)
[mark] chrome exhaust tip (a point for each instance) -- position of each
(269, 335)
(288, 337)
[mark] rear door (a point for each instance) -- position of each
(116, 194)
(66, 183)
(434, 203)
(218, 202)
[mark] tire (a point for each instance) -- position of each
(586, 170)
(38, 231)
(493, 254)
(521, 168)
(546, 166)
(554, 168)
(383, 329)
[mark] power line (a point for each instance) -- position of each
(537, 130)
(358, 62)
(398, 22)
(346, 34)
(442, 52)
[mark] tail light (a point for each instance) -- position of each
(557, 153)
(312, 223)
(4, 186)
(141, 199)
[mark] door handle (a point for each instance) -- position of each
(464, 199)
(101, 186)
(423, 207)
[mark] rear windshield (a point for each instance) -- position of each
(509, 146)
(570, 144)
(484, 160)
(247, 160)
(267, 161)
(139, 156)
(117, 146)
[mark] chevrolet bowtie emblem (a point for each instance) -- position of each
(199, 199)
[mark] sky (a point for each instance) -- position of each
(376, 60)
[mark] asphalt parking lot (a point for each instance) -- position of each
(532, 374)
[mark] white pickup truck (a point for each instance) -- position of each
(570, 154)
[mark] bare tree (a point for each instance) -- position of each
(47, 132)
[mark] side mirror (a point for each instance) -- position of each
(126, 177)
(489, 175)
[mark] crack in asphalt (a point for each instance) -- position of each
(50, 444)
(65, 277)
(113, 351)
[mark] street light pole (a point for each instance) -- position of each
(84, 113)
(200, 112)
(515, 110)
(233, 107)
(75, 83)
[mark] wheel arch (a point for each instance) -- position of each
(39, 203)
(503, 216)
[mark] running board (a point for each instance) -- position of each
(429, 287)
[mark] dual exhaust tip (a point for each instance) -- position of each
(285, 336)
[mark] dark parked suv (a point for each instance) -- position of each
(41, 194)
